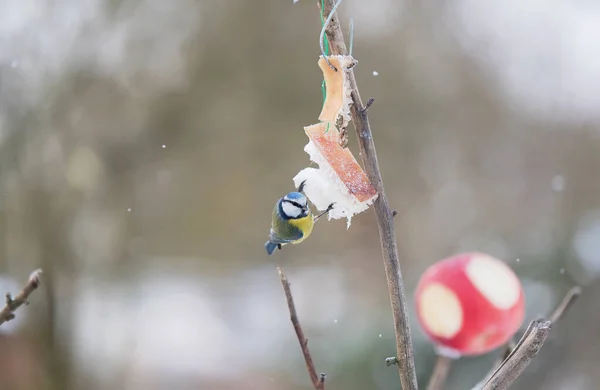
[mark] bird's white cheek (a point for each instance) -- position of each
(290, 210)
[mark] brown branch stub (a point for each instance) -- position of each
(391, 361)
(526, 350)
(404, 348)
(368, 105)
(13, 303)
(322, 378)
(317, 380)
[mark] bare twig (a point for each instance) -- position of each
(317, 380)
(565, 304)
(13, 303)
(404, 348)
(509, 347)
(506, 350)
(526, 350)
(440, 372)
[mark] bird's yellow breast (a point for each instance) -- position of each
(305, 225)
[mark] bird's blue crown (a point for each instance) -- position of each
(295, 196)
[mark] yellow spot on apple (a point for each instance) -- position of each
(440, 310)
(494, 280)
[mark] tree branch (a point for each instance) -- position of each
(317, 380)
(510, 347)
(404, 348)
(12, 304)
(526, 350)
(440, 372)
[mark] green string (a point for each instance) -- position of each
(326, 46)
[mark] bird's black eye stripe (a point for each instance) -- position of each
(294, 203)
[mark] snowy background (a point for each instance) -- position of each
(143, 144)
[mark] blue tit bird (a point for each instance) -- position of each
(292, 221)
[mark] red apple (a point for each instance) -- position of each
(470, 303)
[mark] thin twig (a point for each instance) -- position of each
(404, 348)
(506, 350)
(317, 380)
(565, 304)
(440, 372)
(13, 303)
(557, 314)
(526, 350)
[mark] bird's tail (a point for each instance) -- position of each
(270, 247)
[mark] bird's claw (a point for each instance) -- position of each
(329, 208)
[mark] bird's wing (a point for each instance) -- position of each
(275, 239)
